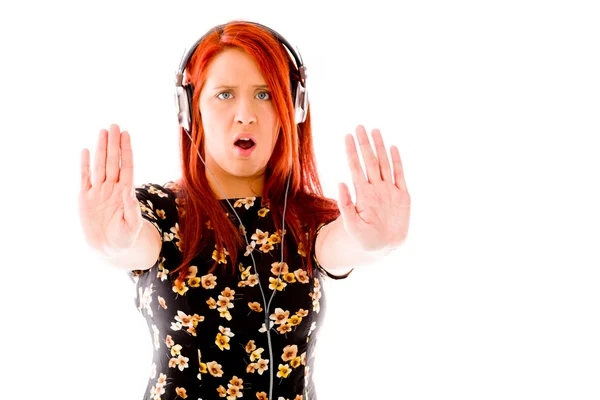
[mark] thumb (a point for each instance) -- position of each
(346, 206)
(130, 206)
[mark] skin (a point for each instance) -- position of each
(245, 105)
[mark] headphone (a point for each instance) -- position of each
(183, 101)
(184, 92)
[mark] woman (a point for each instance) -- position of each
(233, 301)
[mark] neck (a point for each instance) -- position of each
(235, 187)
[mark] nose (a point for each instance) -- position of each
(245, 113)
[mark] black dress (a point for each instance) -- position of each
(208, 332)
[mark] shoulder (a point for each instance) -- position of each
(159, 203)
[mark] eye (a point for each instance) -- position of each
(229, 93)
(268, 95)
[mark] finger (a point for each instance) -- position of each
(126, 175)
(113, 156)
(100, 159)
(371, 163)
(398, 170)
(358, 176)
(85, 170)
(384, 162)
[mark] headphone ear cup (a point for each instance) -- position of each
(189, 93)
(300, 103)
(183, 101)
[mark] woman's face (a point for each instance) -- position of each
(235, 102)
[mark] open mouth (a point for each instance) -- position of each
(245, 143)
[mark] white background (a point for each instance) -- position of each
(494, 107)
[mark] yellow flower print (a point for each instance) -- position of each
(209, 281)
(267, 247)
(289, 277)
(226, 331)
(289, 352)
(228, 293)
(175, 234)
(246, 202)
(262, 365)
(212, 304)
(179, 362)
(263, 211)
(162, 302)
(220, 256)
(284, 328)
(169, 341)
(302, 313)
(280, 316)
(263, 328)
(188, 320)
(250, 368)
(203, 369)
(274, 239)
(222, 341)
(224, 303)
(192, 272)
(298, 397)
(250, 347)
(222, 392)
(237, 382)
(162, 273)
(181, 392)
(295, 320)
(180, 287)
(255, 306)
(279, 268)
(295, 363)
(176, 350)
(225, 314)
(256, 354)
(301, 249)
(284, 371)
(250, 248)
(260, 237)
(301, 275)
(215, 369)
(252, 280)
(246, 272)
(261, 396)
(234, 392)
(276, 284)
(194, 282)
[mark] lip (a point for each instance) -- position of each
(244, 152)
(244, 135)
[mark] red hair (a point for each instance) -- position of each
(306, 205)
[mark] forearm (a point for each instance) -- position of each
(337, 250)
(142, 255)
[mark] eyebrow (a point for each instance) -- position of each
(234, 87)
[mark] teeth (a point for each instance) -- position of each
(244, 139)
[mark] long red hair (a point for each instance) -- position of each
(294, 154)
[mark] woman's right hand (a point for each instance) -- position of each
(110, 215)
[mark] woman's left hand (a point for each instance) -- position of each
(379, 220)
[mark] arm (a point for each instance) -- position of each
(338, 252)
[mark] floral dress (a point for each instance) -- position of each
(209, 332)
